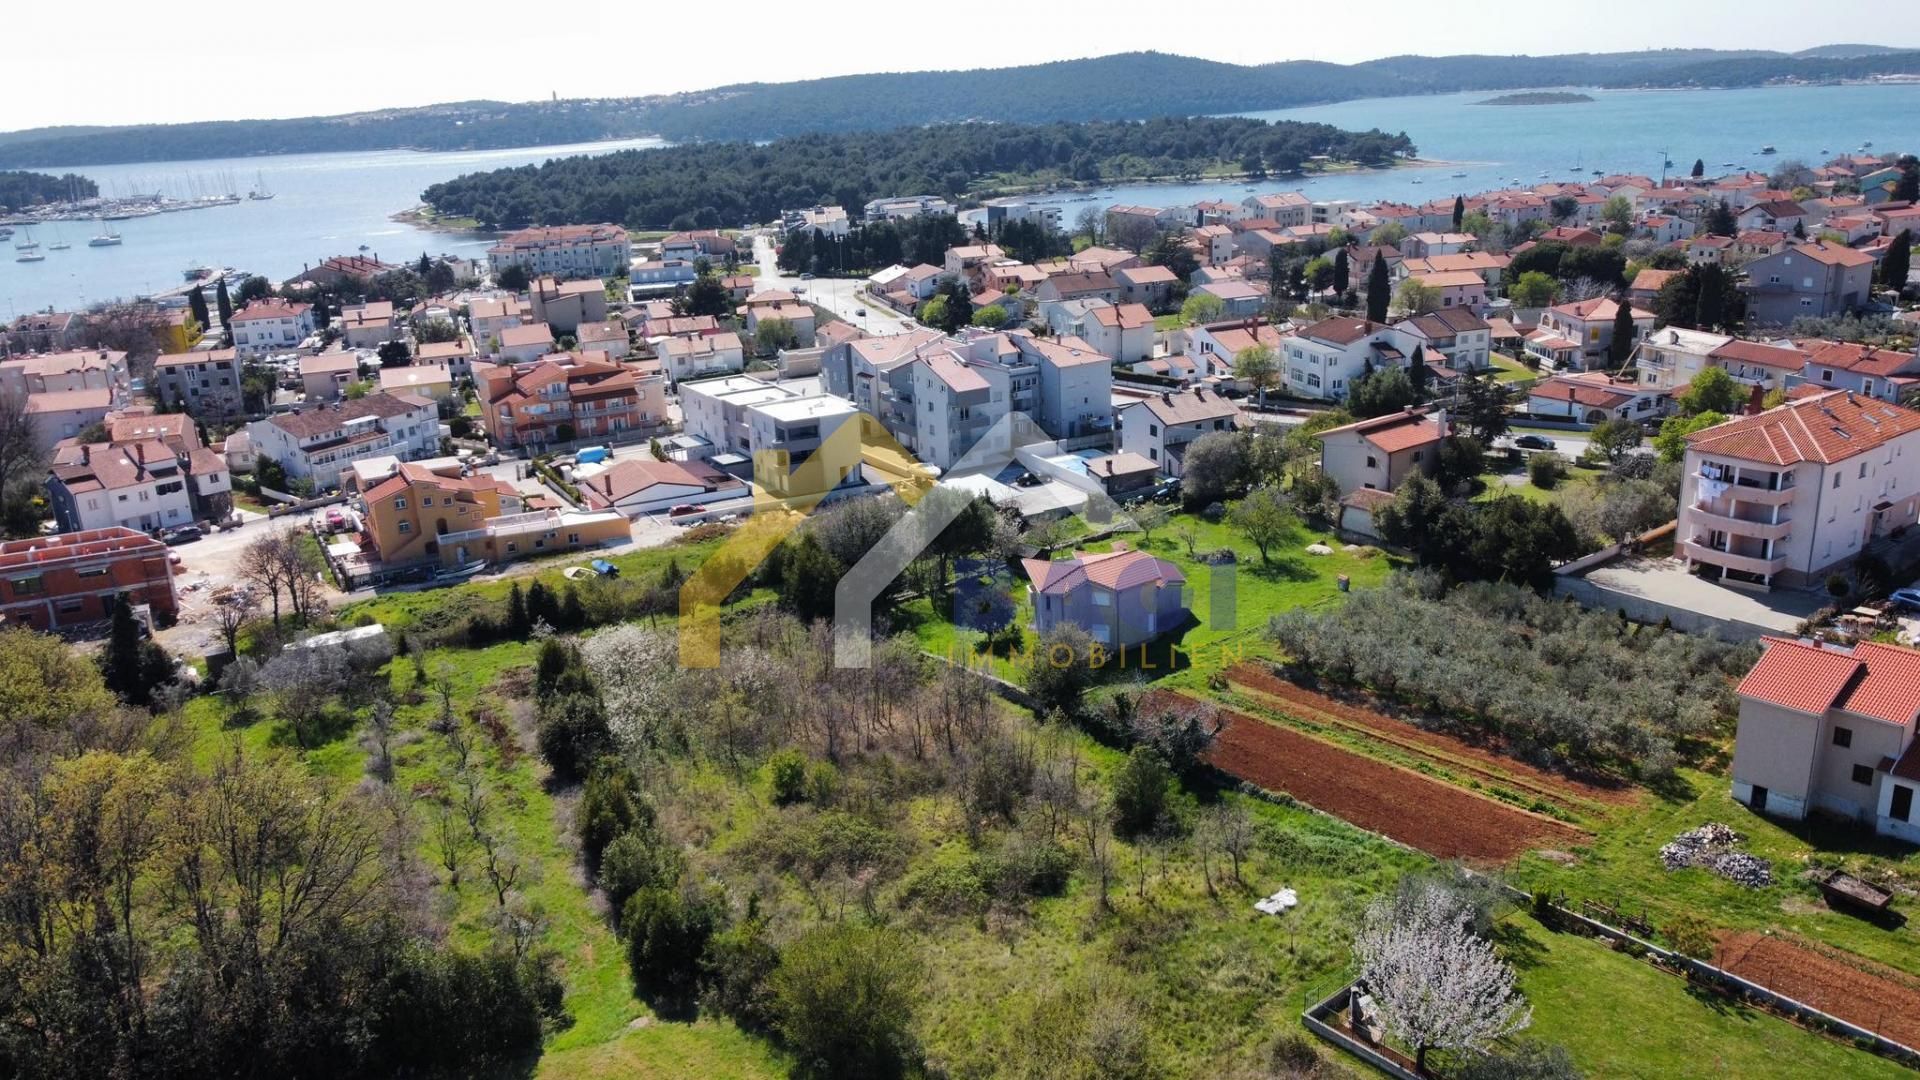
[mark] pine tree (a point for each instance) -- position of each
(226, 307)
(1907, 188)
(1459, 211)
(197, 303)
(518, 623)
(1378, 291)
(1699, 168)
(1720, 220)
(1340, 272)
(1898, 260)
(1417, 372)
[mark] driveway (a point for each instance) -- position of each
(1667, 581)
(844, 297)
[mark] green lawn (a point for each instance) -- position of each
(1622, 1017)
(1170, 321)
(1261, 590)
(1622, 868)
(1507, 369)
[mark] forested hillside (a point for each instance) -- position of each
(728, 183)
(1122, 86)
(20, 189)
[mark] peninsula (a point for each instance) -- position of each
(1539, 97)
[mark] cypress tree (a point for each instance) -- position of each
(1710, 297)
(1621, 347)
(226, 305)
(1378, 292)
(1417, 372)
(1699, 168)
(1340, 272)
(197, 303)
(1898, 260)
(1459, 211)
(518, 623)
(1720, 221)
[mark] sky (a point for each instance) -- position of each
(129, 62)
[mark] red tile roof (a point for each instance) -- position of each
(1113, 570)
(1890, 690)
(1832, 427)
(1863, 359)
(1804, 678)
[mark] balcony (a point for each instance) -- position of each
(1702, 553)
(1775, 489)
(1700, 517)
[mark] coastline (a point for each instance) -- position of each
(424, 217)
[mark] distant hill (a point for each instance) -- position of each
(1118, 87)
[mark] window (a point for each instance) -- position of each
(400, 502)
(32, 585)
(1863, 775)
(1842, 736)
(1836, 481)
(1371, 463)
(1902, 808)
(91, 571)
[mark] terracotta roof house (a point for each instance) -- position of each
(1792, 494)
(1383, 451)
(1863, 369)
(1159, 427)
(1816, 279)
(1122, 598)
(1831, 729)
(641, 485)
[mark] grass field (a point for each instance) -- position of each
(1507, 369)
(1214, 640)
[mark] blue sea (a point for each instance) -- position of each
(330, 204)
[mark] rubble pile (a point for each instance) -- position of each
(1711, 847)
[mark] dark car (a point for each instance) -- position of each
(1907, 599)
(1533, 442)
(185, 534)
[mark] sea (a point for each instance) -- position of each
(331, 204)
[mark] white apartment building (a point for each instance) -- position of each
(1794, 493)
(1671, 356)
(270, 325)
(1322, 360)
(565, 251)
(316, 444)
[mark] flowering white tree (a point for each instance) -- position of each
(1438, 986)
(636, 669)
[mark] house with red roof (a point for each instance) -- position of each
(1828, 728)
(1795, 493)
(1120, 598)
(1589, 324)
(1863, 369)
(1815, 279)
(1593, 397)
(1381, 452)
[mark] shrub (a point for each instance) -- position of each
(844, 998)
(610, 805)
(637, 860)
(1689, 935)
(573, 734)
(1061, 670)
(788, 769)
(667, 935)
(1140, 791)
(1546, 469)
(735, 970)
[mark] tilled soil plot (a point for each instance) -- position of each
(1875, 1002)
(1415, 810)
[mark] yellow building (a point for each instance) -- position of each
(181, 333)
(408, 512)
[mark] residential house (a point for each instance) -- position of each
(1283, 208)
(657, 277)
(524, 343)
(1490, 268)
(710, 244)
(1862, 369)
(89, 369)
(969, 260)
(797, 315)
(1217, 243)
(316, 444)
(1667, 228)
(565, 251)
(1590, 324)
(640, 485)
(368, 326)
(426, 380)
(1454, 337)
(140, 480)
(1777, 216)
(1671, 356)
(1120, 598)
(456, 356)
(1425, 245)
(1078, 286)
(566, 397)
(1767, 366)
(42, 332)
(408, 512)
(492, 318)
(907, 206)
(326, 376)
(1454, 288)
(1122, 333)
(608, 337)
(1792, 494)
(1322, 359)
(700, 355)
(1708, 250)
(1816, 279)
(1238, 299)
(854, 369)
(1123, 475)
(821, 220)
(1381, 452)
(1750, 244)
(1593, 397)
(76, 577)
(1160, 427)
(340, 268)
(270, 325)
(1646, 286)
(1148, 285)
(564, 305)
(1830, 728)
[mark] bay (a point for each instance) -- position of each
(330, 204)
(323, 205)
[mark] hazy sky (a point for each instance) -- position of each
(126, 62)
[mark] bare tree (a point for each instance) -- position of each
(380, 740)
(303, 681)
(229, 615)
(1147, 517)
(1189, 539)
(1096, 829)
(449, 840)
(1233, 829)
(20, 456)
(1438, 986)
(261, 567)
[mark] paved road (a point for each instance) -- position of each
(842, 296)
(1568, 444)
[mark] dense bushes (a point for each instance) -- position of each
(1555, 681)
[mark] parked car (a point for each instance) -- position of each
(683, 508)
(1533, 442)
(185, 534)
(1907, 599)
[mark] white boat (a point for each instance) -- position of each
(29, 244)
(259, 192)
(30, 256)
(107, 237)
(1458, 175)
(59, 242)
(460, 573)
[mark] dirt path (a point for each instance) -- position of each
(1415, 810)
(1446, 750)
(1852, 993)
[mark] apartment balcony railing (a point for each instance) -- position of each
(1694, 549)
(1738, 526)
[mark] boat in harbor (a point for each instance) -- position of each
(29, 244)
(1458, 175)
(1768, 149)
(107, 238)
(259, 192)
(59, 241)
(30, 257)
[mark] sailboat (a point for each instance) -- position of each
(28, 244)
(59, 242)
(259, 192)
(29, 250)
(107, 237)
